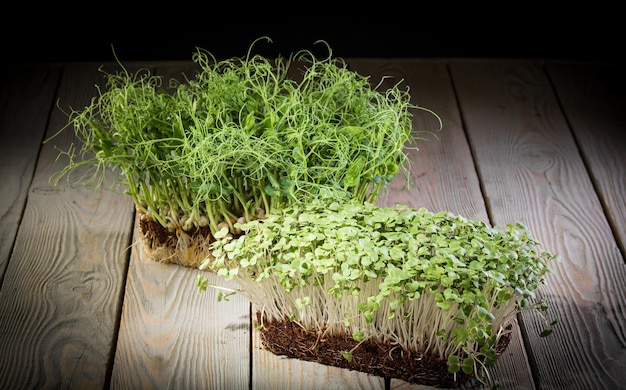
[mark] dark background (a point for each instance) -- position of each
(146, 32)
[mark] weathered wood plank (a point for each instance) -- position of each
(61, 295)
(172, 337)
(593, 97)
(443, 176)
(26, 99)
(532, 172)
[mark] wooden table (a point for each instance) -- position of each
(540, 142)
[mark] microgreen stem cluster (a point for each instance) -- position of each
(242, 138)
(433, 283)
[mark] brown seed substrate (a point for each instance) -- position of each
(186, 248)
(285, 338)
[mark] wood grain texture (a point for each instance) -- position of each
(593, 97)
(26, 99)
(532, 172)
(173, 337)
(61, 294)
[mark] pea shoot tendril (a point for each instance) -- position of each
(242, 137)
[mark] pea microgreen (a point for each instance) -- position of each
(241, 138)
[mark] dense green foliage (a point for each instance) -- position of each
(242, 137)
(435, 283)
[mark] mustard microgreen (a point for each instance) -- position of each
(433, 283)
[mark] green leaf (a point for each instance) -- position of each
(546, 332)
(353, 174)
(202, 283)
(462, 334)
(485, 315)
(347, 355)
(468, 365)
(444, 305)
(223, 232)
(358, 336)
(346, 319)
(272, 191)
(353, 131)
(453, 364)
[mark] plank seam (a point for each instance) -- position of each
(587, 165)
(30, 183)
(119, 308)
